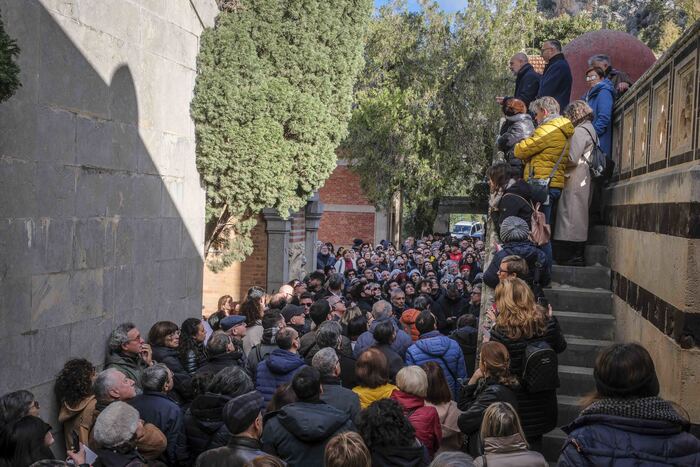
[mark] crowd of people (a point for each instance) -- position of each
(371, 360)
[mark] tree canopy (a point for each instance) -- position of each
(9, 71)
(272, 100)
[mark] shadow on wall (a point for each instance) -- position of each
(90, 230)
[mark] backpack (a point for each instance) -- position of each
(540, 372)
(540, 231)
(597, 160)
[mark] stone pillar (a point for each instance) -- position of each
(277, 249)
(314, 211)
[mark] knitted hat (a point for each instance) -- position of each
(514, 229)
(116, 424)
(240, 412)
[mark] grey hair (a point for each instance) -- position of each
(381, 309)
(547, 103)
(600, 58)
(325, 361)
(396, 293)
(216, 345)
(452, 459)
(155, 377)
(119, 336)
(231, 381)
(328, 334)
(522, 57)
(104, 382)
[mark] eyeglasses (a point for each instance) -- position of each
(591, 78)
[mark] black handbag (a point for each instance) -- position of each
(597, 161)
(539, 187)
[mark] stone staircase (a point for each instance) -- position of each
(582, 301)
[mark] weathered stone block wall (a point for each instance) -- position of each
(101, 208)
(653, 219)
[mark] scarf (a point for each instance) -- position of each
(646, 408)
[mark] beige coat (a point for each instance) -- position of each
(448, 413)
(572, 214)
(78, 418)
(509, 451)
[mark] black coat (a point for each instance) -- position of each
(182, 391)
(216, 363)
(339, 397)
(400, 456)
(449, 308)
(193, 359)
(530, 253)
(298, 433)
(466, 338)
(514, 202)
(394, 360)
(157, 408)
(204, 424)
(556, 81)
(474, 401)
(515, 129)
(236, 453)
(538, 411)
(527, 84)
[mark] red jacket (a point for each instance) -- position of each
(425, 419)
(456, 256)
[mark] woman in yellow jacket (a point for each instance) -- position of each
(541, 151)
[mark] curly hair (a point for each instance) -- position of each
(252, 310)
(383, 423)
(518, 314)
(74, 381)
(188, 341)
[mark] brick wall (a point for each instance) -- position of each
(239, 277)
(343, 187)
(341, 228)
(298, 228)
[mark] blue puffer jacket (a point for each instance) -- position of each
(278, 368)
(526, 250)
(434, 347)
(601, 99)
(608, 440)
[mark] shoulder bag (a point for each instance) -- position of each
(597, 160)
(539, 187)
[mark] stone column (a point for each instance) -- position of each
(314, 211)
(277, 249)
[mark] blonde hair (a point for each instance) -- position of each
(547, 103)
(578, 112)
(413, 380)
(501, 420)
(347, 450)
(350, 313)
(518, 314)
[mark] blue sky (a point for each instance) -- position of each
(449, 6)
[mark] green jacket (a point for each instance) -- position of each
(132, 367)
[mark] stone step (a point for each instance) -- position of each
(575, 381)
(586, 325)
(569, 409)
(589, 277)
(581, 352)
(567, 298)
(597, 255)
(552, 443)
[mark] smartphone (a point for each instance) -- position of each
(75, 441)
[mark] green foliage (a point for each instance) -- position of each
(424, 121)
(271, 105)
(566, 28)
(9, 71)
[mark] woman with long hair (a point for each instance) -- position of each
(73, 389)
(624, 421)
(440, 397)
(253, 310)
(490, 383)
(225, 306)
(504, 440)
(520, 322)
(192, 353)
(29, 440)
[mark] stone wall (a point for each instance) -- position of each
(652, 219)
(101, 219)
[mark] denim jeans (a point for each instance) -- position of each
(554, 195)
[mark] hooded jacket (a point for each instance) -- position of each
(530, 253)
(434, 347)
(649, 434)
(366, 340)
(298, 433)
(514, 202)
(507, 451)
(541, 151)
(77, 418)
(131, 366)
(408, 322)
(216, 363)
(424, 419)
(278, 368)
(204, 424)
(601, 100)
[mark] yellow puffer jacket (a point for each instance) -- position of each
(543, 148)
